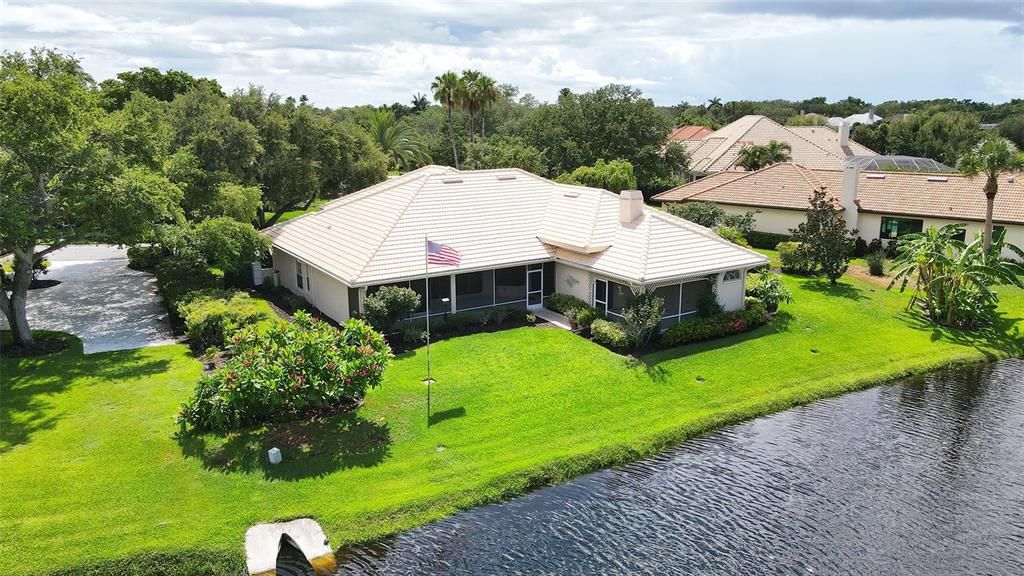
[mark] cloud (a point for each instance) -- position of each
(343, 52)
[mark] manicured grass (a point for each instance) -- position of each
(90, 470)
(293, 213)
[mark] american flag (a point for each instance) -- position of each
(438, 253)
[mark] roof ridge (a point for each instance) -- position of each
(394, 224)
(804, 173)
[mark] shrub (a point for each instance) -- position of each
(769, 289)
(573, 315)
(230, 245)
(641, 320)
(731, 234)
(706, 214)
(414, 334)
(388, 305)
(561, 302)
(285, 371)
(212, 316)
(765, 240)
(179, 276)
(459, 321)
(609, 334)
(792, 259)
(503, 314)
(876, 262)
(588, 315)
(754, 314)
(707, 304)
(825, 241)
(144, 258)
(860, 248)
(743, 223)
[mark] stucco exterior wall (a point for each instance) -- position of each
(869, 226)
(327, 294)
(573, 281)
(732, 292)
(769, 219)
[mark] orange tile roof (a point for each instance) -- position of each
(689, 133)
(788, 185)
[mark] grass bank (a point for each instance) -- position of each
(92, 475)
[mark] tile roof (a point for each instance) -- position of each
(720, 150)
(497, 218)
(788, 185)
(689, 133)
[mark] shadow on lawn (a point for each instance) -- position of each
(309, 448)
(842, 289)
(1001, 339)
(27, 384)
(438, 417)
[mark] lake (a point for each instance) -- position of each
(922, 477)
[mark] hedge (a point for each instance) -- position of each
(212, 316)
(766, 240)
(754, 314)
(610, 334)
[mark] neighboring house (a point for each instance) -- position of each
(688, 132)
(811, 146)
(881, 205)
(521, 239)
(868, 117)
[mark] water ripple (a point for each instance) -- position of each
(924, 477)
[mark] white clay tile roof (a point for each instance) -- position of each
(497, 218)
(817, 147)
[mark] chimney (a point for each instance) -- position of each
(871, 116)
(844, 134)
(848, 195)
(631, 205)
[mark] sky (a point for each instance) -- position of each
(343, 52)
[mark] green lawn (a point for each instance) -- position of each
(90, 470)
(293, 213)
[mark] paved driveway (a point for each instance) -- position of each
(100, 300)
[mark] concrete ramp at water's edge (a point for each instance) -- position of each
(295, 548)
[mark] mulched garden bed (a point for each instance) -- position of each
(45, 344)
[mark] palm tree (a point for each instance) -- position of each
(488, 93)
(471, 96)
(992, 157)
(419, 102)
(714, 105)
(447, 90)
(775, 152)
(755, 157)
(396, 139)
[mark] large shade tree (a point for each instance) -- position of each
(991, 158)
(65, 174)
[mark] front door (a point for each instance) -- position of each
(534, 285)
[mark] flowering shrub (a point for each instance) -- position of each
(754, 314)
(284, 370)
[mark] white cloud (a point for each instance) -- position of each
(347, 52)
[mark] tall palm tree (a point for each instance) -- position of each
(755, 157)
(447, 89)
(714, 105)
(471, 96)
(775, 152)
(992, 157)
(487, 92)
(397, 140)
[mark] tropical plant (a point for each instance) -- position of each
(486, 93)
(825, 241)
(993, 156)
(420, 102)
(615, 176)
(284, 370)
(397, 140)
(954, 282)
(448, 90)
(876, 262)
(755, 157)
(768, 288)
(469, 97)
(390, 304)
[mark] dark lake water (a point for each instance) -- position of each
(924, 477)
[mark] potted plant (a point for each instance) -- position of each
(768, 288)
(573, 316)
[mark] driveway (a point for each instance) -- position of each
(100, 300)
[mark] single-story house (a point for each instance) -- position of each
(878, 204)
(868, 117)
(521, 238)
(811, 146)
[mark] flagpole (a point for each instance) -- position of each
(426, 283)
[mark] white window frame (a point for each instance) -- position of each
(302, 279)
(726, 278)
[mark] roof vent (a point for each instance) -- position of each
(451, 181)
(506, 176)
(938, 179)
(876, 176)
(1010, 179)
(571, 194)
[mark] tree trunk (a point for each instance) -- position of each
(14, 305)
(451, 138)
(277, 215)
(483, 125)
(991, 187)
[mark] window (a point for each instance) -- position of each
(601, 295)
(672, 296)
(474, 289)
(620, 297)
(353, 301)
(692, 292)
(510, 285)
(893, 228)
(731, 276)
(302, 276)
(961, 235)
(471, 283)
